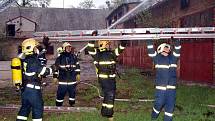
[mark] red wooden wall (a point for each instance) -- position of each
(196, 63)
(136, 56)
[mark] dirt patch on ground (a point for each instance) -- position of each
(5, 83)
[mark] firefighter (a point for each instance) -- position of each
(105, 63)
(42, 55)
(31, 85)
(69, 74)
(165, 83)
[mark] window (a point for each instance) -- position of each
(120, 14)
(114, 18)
(109, 22)
(10, 30)
(185, 4)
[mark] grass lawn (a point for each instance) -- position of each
(190, 105)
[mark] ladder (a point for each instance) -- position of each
(4, 4)
(129, 34)
(54, 109)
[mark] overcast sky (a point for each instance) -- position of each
(75, 3)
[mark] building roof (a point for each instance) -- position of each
(58, 19)
(20, 17)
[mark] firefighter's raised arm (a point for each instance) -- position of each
(91, 49)
(177, 47)
(150, 48)
(121, 47)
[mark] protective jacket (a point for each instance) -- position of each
(68, 67)
(165, 65)
(105, 62)
(31, 93)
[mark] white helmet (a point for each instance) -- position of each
(66, 44)
(162, 46)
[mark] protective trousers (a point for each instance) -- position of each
(61, 92)
(31, 99)
(164, 98)
(108, 88)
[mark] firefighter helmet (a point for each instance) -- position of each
(28, 46)
(103, 44)
(59, 50)
(161, 47)
(66, 44)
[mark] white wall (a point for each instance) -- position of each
(25, 26)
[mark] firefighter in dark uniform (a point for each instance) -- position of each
(31, 85)
(105, 63)
(165, 83)
(68, 74)
(42, 56)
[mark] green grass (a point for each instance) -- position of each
(190, 104)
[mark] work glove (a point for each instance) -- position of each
(92, 42)
(78, 77)
(54, 68)
(149, 42)
(94, 33)
(176, 42)
(124, 43)
(18, 87)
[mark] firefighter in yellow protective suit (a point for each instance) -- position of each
(105, 62)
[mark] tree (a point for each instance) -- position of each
(111, 4)
(116, 3)
(147, 19)
(87, 4)
(34, 3)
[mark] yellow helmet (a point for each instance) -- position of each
(162, 46)
(28, 46)
(59, 50)
(103, 44)
(66, 44)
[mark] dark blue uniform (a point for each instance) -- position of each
(42, 57)
(69, 68)
(31, 93)
(165, 82)
(105, 62)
